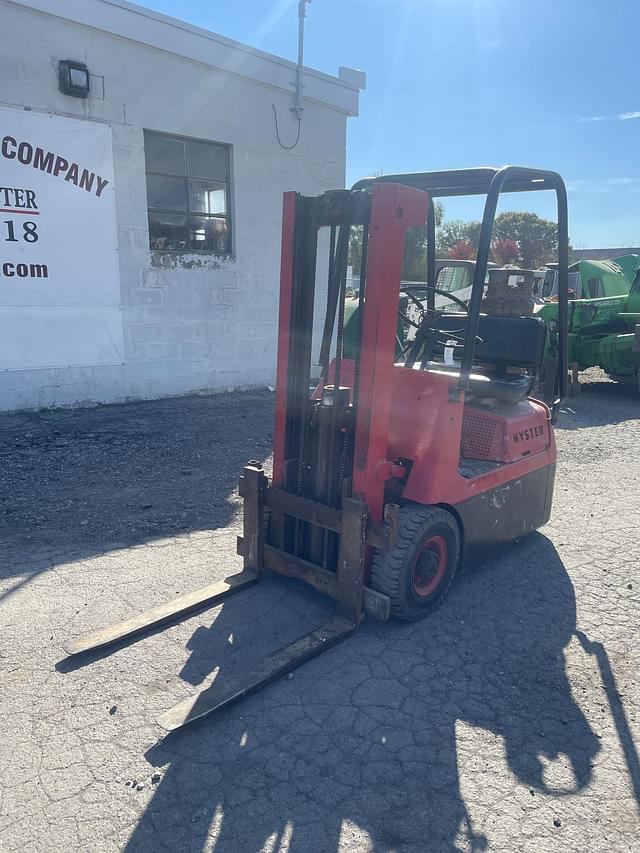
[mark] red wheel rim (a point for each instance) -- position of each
(430, 566)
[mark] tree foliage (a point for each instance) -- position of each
(536, 237)
(462, 251)
(518, 238)
(456, 231)
(504, 251)
(414, 265)
(415, 248)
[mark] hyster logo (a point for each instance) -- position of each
(527, 434)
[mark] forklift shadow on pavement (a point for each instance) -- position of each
(366, 734)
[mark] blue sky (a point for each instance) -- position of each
(453, 83)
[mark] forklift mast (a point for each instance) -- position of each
(362, 410)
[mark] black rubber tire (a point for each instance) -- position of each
(392, 573)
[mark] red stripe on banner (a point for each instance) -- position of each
(23, 212)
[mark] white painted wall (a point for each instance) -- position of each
(193, 322)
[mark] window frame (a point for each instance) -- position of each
(228, 216)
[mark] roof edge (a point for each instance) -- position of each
(154, 29)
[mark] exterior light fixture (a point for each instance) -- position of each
(73, 78)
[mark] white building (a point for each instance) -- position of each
(140, 227)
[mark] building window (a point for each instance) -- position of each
(187, 194)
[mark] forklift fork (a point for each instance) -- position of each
(346, 586)
(217, 696)
(172, 611)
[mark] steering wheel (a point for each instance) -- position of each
(447, 294)
(427, 326)
(428, 334)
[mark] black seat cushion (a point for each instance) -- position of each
(506, 388)
(505, 341)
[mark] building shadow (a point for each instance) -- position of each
(77, 483)
(364, 738)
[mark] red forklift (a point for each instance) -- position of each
(386, 469)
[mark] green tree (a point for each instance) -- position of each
(536, 237)
(462, 251)
(504, 252)
(415, 248)
(414, 267)
(456, 231)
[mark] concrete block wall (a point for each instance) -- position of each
(191, 322)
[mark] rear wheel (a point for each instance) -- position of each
(418, 571)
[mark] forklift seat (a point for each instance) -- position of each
(504, 342)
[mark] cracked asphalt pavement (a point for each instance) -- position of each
(507, 721)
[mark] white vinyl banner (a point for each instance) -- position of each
(59, 282)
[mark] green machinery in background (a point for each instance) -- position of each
(604, 316)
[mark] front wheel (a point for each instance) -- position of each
(418, 571)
